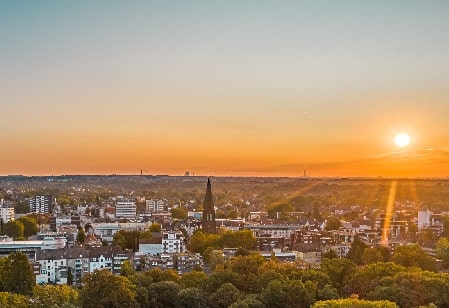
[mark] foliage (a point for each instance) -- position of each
(353, 303)
(30, 226)
(155, 227)
(250, 301)
(413, 255)
(376, 254)
(53, 296)
(11, 300)
(356, 250)
(16, 276)
(287, 293)
(338, 271)
(103, 289)
(163, 294)
(225, 296)
(412, 289)
(193, 279)
(191, 298)
(80, 236)
(126, 270)
(238, 239)
(14, 229)
(442, 250)
(332, 224)
(179, 213)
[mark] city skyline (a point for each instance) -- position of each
(256, 88)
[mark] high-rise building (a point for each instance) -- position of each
(208, 221)
(6, 211)
(41, 204)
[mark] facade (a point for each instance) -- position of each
(125, 209)
(107, 257)
(151, 246)
(173, 242)
(155, 205)
(41, 204)
(6, 211)
(208, 220)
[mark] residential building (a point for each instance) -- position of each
(41, 204)
(6, 211)
(173, 242)
(155, 205)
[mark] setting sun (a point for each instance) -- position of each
(402, 140)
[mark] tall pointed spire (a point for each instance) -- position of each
(208, 221)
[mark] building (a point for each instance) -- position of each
(6, 211)
(155, 205)
(173, 242)
(125, 209)
(152, 246)
(208, 220)
(107, 257)
(41, 204)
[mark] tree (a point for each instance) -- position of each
(354, 303)
(238, 239)
(338, 271)
(11, 300)
(193, 279)
(191, 298)
(414, 255)
(163, 294)
(250, 301)
(17, 275)
(103, 289)
(355, 253)
(30, 226)
(376, 254)
(179, 213)
(287, 293)
(69, 276)
(127, 270)
(442, 250)
(53, 296)
(14, 229)
(225, 296)
(80, 236)
(332, 224)
(155, 227)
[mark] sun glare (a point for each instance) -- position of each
(402, 140)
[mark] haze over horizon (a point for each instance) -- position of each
(224, 88)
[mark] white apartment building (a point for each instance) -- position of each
(155, 205)
(125, 209)
(6, 211)
(173, 242)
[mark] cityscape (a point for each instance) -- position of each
(224, 154)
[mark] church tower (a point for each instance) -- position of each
(208, 221)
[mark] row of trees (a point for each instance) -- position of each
(244, 281)
(19, 229)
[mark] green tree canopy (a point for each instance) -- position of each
(103, 289)
(14, 229)
(413, 255)
(17, 275)
(353, 303)
(30, 226)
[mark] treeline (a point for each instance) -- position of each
(244, 281)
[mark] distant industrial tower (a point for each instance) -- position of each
(41, 204)
(208, 221)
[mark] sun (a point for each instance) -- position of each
(402, 139)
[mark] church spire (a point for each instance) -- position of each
(208, 221)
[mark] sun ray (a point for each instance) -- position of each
(388, 212)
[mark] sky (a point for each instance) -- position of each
(241, 88)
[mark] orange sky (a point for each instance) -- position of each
(224, 88)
